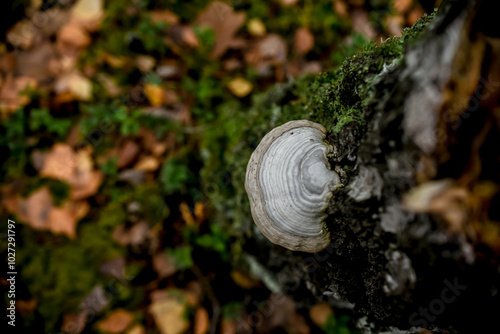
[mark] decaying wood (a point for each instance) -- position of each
(416, 230)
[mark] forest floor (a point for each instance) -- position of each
(112, 117)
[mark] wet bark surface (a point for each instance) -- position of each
(416, 227)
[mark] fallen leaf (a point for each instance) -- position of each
(76, 85)
(11, 90)
(163, 265)
(256, 27)
(304, 41)
(414, 15)
(154, 93)
(200, 212)
(147, 164)
(138, 233)
(395, 25)
(88, 13)
(189, 37)
(240, 87)
(71, 40)
(38, 211)
(116, 322)
(320, 313)
(109, 84)
(75, 168)
(244, 280)
(74, 323)
(164, 16)
(227, 327)
(168, 311)
(361, 23)
(201, 321)
(402, 6)
(137, 329)
(224, 21)
(288, 3)
(186, 214)
(145, 63)
(34, 63)
(193, 293)
(22, 34)
(114, 268)
(127, 154)
(270, 50)
(341, 8)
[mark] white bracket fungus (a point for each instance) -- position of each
(289, 184)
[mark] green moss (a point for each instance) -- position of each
(333, 98)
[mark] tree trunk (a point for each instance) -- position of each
(416, 227)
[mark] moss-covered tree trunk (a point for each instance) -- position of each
(416, 227)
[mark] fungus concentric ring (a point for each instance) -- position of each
(289, 184)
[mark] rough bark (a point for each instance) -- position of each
(416, 229)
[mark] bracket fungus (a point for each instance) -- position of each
(289, 184)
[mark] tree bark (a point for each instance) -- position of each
(416, 227)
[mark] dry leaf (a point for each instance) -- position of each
(244, 280)
(193, 293)
(256, 27)
(38, 211)
(77, 86)
(35, 62)
(168, 311)
(163, 265)
(71, 40)
(224, 21)
(186, 214)
(137, 329)
(270, 50)
(116, 322)
(109, 84)
(287, 3)
(227, 327)
(189, 37)
(76, 169)
(74, 323)
(395, 25)
(145, 63)
(341, 8)
(304, 41)
(127, 154)
(361, 23)
(164, 16)
(10, 93)
(147, 164)
(240, 87)
(402, 6)
(320, 313)
(154, 93)
(414, 15)
(88, 13)
(201, 321)
(200, 212)
(22, 34)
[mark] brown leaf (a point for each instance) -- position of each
(127, 154)
(320, 313)
(34, 63)
(361, 23)
(74, 323)
(116, 322)
(22, 34)
(71, 40)
(145, 63)
(147, 164)
(168, 311)
(186, 214)
(414, 15)
(11, 90)
(224, 21)
(163, 265)
(164, 16)
(287, 3)
(341, 8)
(304, 41)
(244, 280)
(75, 86)
(137, 329)
(271, 49)
(201, 321)
(63, 221)
(189, 37)
(402, 6)
(88, 13)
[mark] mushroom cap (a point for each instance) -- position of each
(289, 184)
